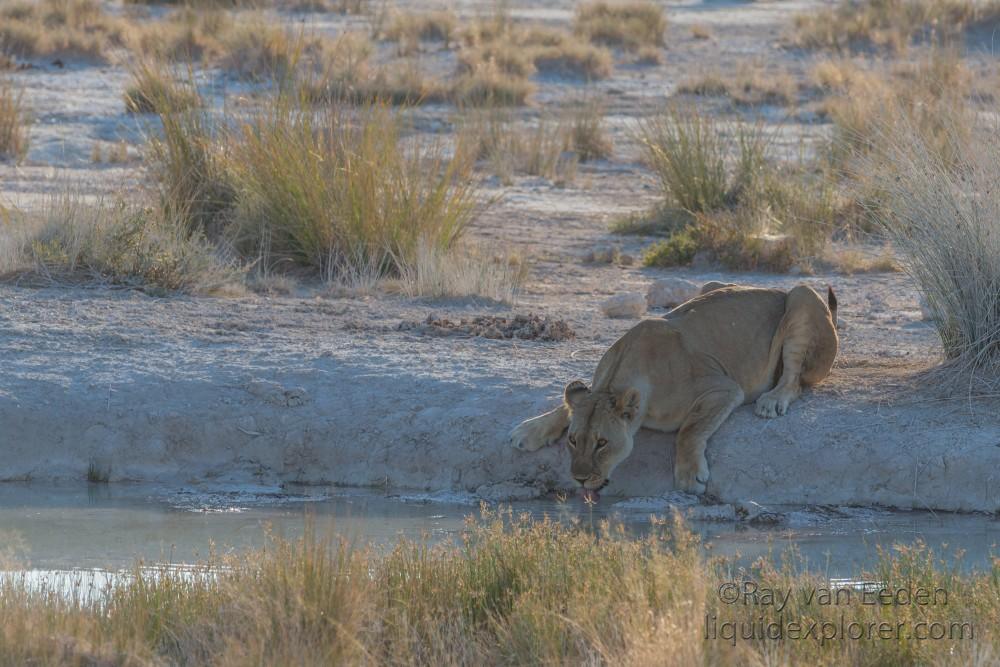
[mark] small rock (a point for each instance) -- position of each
(602, 254)
(276, 394)
(629, 304)
(925, 309)
(669, 292)
(710, 513)
(755, 513)
(626, 260)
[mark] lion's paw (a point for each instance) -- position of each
(771, 405)
(691, 478)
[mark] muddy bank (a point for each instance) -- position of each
(324, 390)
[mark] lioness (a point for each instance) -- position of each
(687, 372)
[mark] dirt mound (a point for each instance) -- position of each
(522, 327)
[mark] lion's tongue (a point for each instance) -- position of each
(590, 495)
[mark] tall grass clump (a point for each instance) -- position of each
(628, 25)
(153, 88)
(891, 25)
(342, 188)
(941, 215)
(14, 121)
(187, 162)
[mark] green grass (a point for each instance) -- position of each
(721, 193)
(511, 591)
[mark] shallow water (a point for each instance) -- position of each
(109, 527)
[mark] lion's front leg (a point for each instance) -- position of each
(707, 413)
(537, 432)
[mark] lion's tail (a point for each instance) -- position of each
(831, 302)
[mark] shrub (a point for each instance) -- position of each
(678, 250)
(629, 25)
(722, 194)
(14, 121)
(941, 216)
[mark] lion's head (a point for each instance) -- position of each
(600, 432)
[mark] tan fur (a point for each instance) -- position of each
(687, 372)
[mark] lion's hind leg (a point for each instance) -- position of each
(808, 346)
(537, 432)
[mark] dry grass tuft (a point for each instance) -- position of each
(409, 30)
(14, 121)
(748, 86)
(588, 134)
(522, 52)
(627, 25)
(927, 93)
(67, 28)
(890, 24)
(486, 84)
(941, 215)
(462, 271)
(509, 147)
(699, 31)
(155, 89)
(508, 591)
(184, 34)
(72, 241)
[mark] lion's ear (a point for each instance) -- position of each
(627, 404)
(574, 391)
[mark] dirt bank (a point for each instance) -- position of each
(319, 389)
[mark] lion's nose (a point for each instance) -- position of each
(582, 480)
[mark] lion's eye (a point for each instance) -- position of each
(572, 441)
(601, 443)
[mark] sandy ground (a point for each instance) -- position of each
(321, 388)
